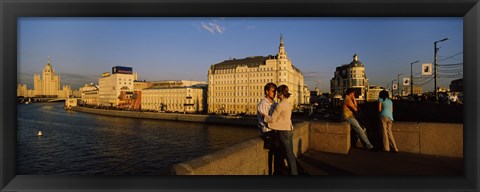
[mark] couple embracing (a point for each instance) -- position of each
(274, 120)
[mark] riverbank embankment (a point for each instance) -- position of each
(199, 118)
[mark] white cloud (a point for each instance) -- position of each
(213, 27)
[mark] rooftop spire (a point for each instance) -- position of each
(281, 39)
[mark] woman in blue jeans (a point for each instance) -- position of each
(349, 107)
(281, 121)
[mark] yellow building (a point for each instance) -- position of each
(48, 85)
(89, 94)
(22, 90)
(45, 85)
(373, 93)
(180, 98)
(236, 86)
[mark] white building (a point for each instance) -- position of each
(236, 86)
(110, 85)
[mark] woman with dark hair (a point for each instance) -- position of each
(385, 107)
(281, 121)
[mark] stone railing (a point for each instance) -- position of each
(249, 157)
(442, 139)
(246, 158)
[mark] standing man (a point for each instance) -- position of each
(281, 120)
(265, 108)
(350, 107)
(269, 136)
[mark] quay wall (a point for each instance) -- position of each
(233, 120)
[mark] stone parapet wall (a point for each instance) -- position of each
(246, 158)
(331, 137)
(442, 139)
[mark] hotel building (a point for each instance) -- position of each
(175, 96)
(236, 86)
(350, 76)
(111, 84)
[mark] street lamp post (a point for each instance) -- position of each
(436, 66)
(398, 84)
(411, 79)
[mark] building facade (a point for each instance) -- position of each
(111, 84)
(373, 92)
(22, 90)
(350, 76)
(235, 86)
(89, 94)
(45, 85)
(186, 99)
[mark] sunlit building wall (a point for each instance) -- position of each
(48, 85)
(188, 99)
(110, 86)
(89, 94)
(350, 76)
(22, 90)
(235, 86)
(373, 93)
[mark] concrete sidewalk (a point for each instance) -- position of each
(361, 162)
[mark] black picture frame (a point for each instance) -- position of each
(10, 10)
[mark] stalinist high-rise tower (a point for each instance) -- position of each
(49, 84)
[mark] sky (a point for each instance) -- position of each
(168, 48)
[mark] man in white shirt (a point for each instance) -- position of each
(265, 108)
(270, 137)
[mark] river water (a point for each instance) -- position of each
(75, 143)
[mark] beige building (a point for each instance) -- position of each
(417, 90)
(164, 96)
(350, 76)
(89, 94)
(236, 86)
(373, 92)
(22, 90)
(46, 84)
(111, 84)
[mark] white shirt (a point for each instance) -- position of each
(264, 107)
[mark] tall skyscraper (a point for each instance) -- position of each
(48, 85)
